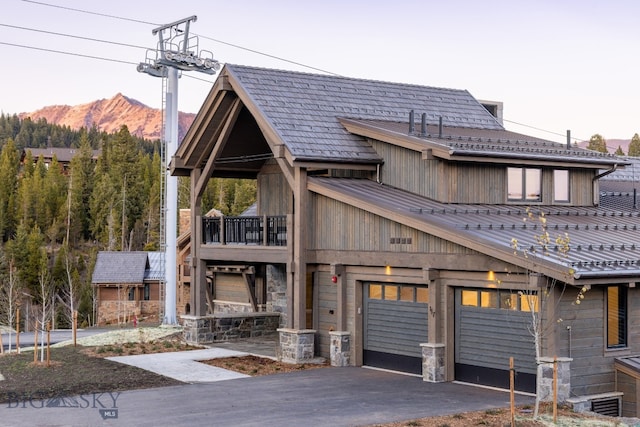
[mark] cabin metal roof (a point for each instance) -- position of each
(303, 109)
(604, 240)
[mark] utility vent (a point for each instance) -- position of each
(400, 240)
(609, 406)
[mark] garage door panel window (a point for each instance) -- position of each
(499, 299)
(400, 293)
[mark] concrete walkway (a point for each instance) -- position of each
(184, 366)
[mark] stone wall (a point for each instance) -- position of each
(228, 326)
(277, 291)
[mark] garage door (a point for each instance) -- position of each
(492, 326)
(395, 324)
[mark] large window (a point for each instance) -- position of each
(561, 185)
(524, 184)
(616, 316)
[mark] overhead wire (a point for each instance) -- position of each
(139, 21)
(68, 53)
(73, 36)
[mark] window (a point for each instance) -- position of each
(616, 316)
(500, 299)
(399, 293)
(561, 185)
(132, 294)
(524, 184)
(146, 292)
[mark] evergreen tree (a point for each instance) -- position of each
(81, 178)
(598, 143)
(619, 151)
(8, 187)
(634, 146)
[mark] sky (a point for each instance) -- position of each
(557, 65)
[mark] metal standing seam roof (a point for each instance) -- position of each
(156, 269)
(603, 241)
(120, 267)
(458, 141)
(304, 109)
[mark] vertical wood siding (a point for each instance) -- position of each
(339, 226)
(592, 369)
(468, 182)
(326, 312)
(273, 194)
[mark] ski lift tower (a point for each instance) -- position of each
(177, 51)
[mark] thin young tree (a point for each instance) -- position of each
(45, 293)
(550, 291)
(10, 295)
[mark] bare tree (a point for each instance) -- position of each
(10, 294)
(549, 291)
(68, 296)
(46, 295)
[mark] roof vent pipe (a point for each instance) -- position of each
(423, 125)
(440, 127)
(411, 122)
(568, 139)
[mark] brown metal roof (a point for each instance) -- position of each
(605, 242)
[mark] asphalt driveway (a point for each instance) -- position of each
(320, 397)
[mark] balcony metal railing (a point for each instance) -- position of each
(245, 230)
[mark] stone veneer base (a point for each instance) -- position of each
(228, 326)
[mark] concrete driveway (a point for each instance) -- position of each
(320, 397)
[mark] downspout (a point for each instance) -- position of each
(597, 177)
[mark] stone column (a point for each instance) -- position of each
(296, 345)
(544, 381)
(433, 366)
(340, 348)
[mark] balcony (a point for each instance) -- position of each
(245, 230)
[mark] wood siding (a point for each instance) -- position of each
(230, 287)
(274, 194)
(339, 226)
(592, 368)
(326, 311)
(468, 182)
(407, 170)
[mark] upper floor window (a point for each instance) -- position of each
(561, 185)
(524, 184)
(616, 316)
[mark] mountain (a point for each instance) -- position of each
(109, 115)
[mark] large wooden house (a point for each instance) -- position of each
(385, 227)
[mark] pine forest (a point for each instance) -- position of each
(55, 218)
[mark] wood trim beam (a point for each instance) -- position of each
(447, 233)
(276, 144)
(467, 262)
(300, 212)
(244, 253)
(223, 137)
(252, 298)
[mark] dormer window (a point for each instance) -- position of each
(524, 184)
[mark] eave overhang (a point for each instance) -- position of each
(459, 149)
